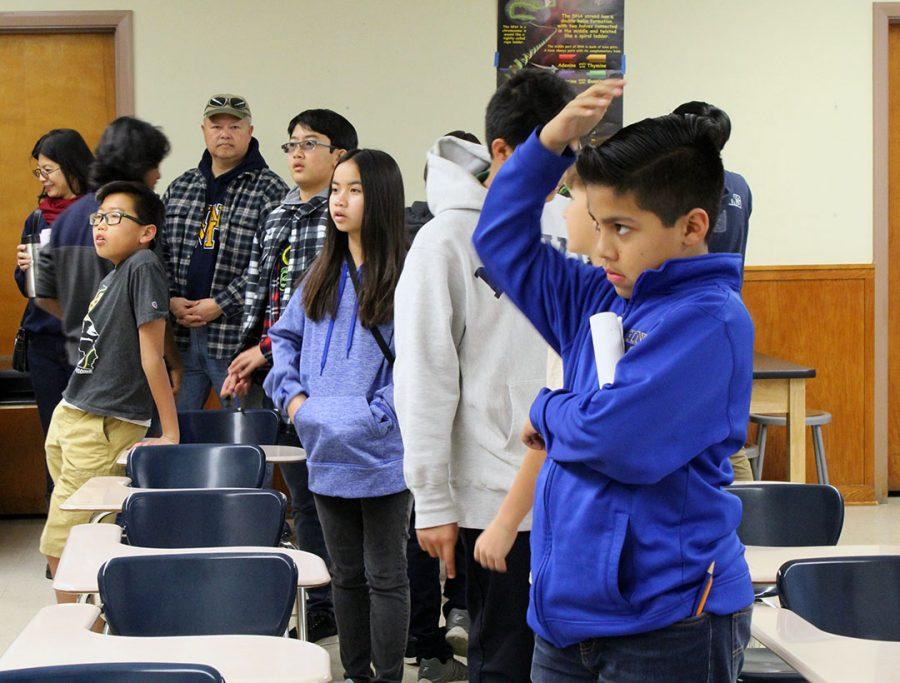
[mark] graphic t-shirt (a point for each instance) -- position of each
(278, 282)
(202, 267)
(109, 378)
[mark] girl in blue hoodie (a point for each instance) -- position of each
(332, 356)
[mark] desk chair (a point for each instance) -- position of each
(115, 673)
(857, 597)
(229, 426)
(784, 515)
(204, 518)
(789, 514)
(198, 594)
(196, 466)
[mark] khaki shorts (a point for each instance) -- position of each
(80, 446)
(741, 466)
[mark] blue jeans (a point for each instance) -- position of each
(705, 648)
(201, 372)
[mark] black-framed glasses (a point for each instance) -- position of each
(307, 145)
(236, 102)
(112, 218)
(42, 173)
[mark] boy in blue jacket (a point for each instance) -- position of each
(630, 510)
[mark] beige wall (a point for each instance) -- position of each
(795, 76)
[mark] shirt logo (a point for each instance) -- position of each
(736, 201)
(207, 235)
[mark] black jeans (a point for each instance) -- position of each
(500, 642)
(306, 519)
(425, 594)
(708, 648)
(366, 538)
(49, 369)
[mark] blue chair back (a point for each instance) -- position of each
(198, 594)
(858, 597)
(128, 672)
(196, 466)
(204, 518)
(789, 514)
(258, 427)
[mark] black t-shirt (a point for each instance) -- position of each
(109, 378)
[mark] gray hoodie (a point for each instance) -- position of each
(468, 363)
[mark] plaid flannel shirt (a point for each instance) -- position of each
(302, 226)
(250, 198)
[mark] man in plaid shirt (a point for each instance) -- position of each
(214, 214)
(293, 236)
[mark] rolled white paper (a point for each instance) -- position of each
(609, 344)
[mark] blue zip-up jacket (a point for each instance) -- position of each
(629, 508)
(348, 425)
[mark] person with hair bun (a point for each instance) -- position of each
(70, 269)
(729, 233)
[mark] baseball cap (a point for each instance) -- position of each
(235, 105)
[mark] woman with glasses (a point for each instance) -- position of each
(63, 161)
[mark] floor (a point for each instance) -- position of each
(24, 590)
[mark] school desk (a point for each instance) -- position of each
(822, 657)
(90, 545)
(765, 561)
(60, 634)
(779, 386)
(274, 453)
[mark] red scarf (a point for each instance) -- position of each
(51, 207)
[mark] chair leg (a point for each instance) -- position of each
(301, 614)
(757, 464)
(819, 447)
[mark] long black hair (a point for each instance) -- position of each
(67, 148)
(384, 244)
(128, 149)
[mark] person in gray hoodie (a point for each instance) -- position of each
(468, 366)
(331, 374)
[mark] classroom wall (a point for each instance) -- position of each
(794, 76)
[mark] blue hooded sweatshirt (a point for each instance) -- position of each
(347, 425)
(629, 507)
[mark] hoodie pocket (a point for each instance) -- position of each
(618, 569)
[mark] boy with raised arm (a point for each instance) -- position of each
(630, 512)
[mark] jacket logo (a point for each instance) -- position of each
(736, 201)
(632, 337)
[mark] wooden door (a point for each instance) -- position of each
(894, 260)
(47, 80)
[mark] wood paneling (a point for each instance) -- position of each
(821, 316)
(893, 256)
(22, 468)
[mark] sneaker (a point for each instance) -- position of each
(458, 631)
(436, 671)
(319, 626)
(409, 657)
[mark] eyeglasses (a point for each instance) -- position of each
(307, 145)
(112, 218)
(236, 102)
(41, 173)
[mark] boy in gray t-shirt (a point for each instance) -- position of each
(120, 372)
